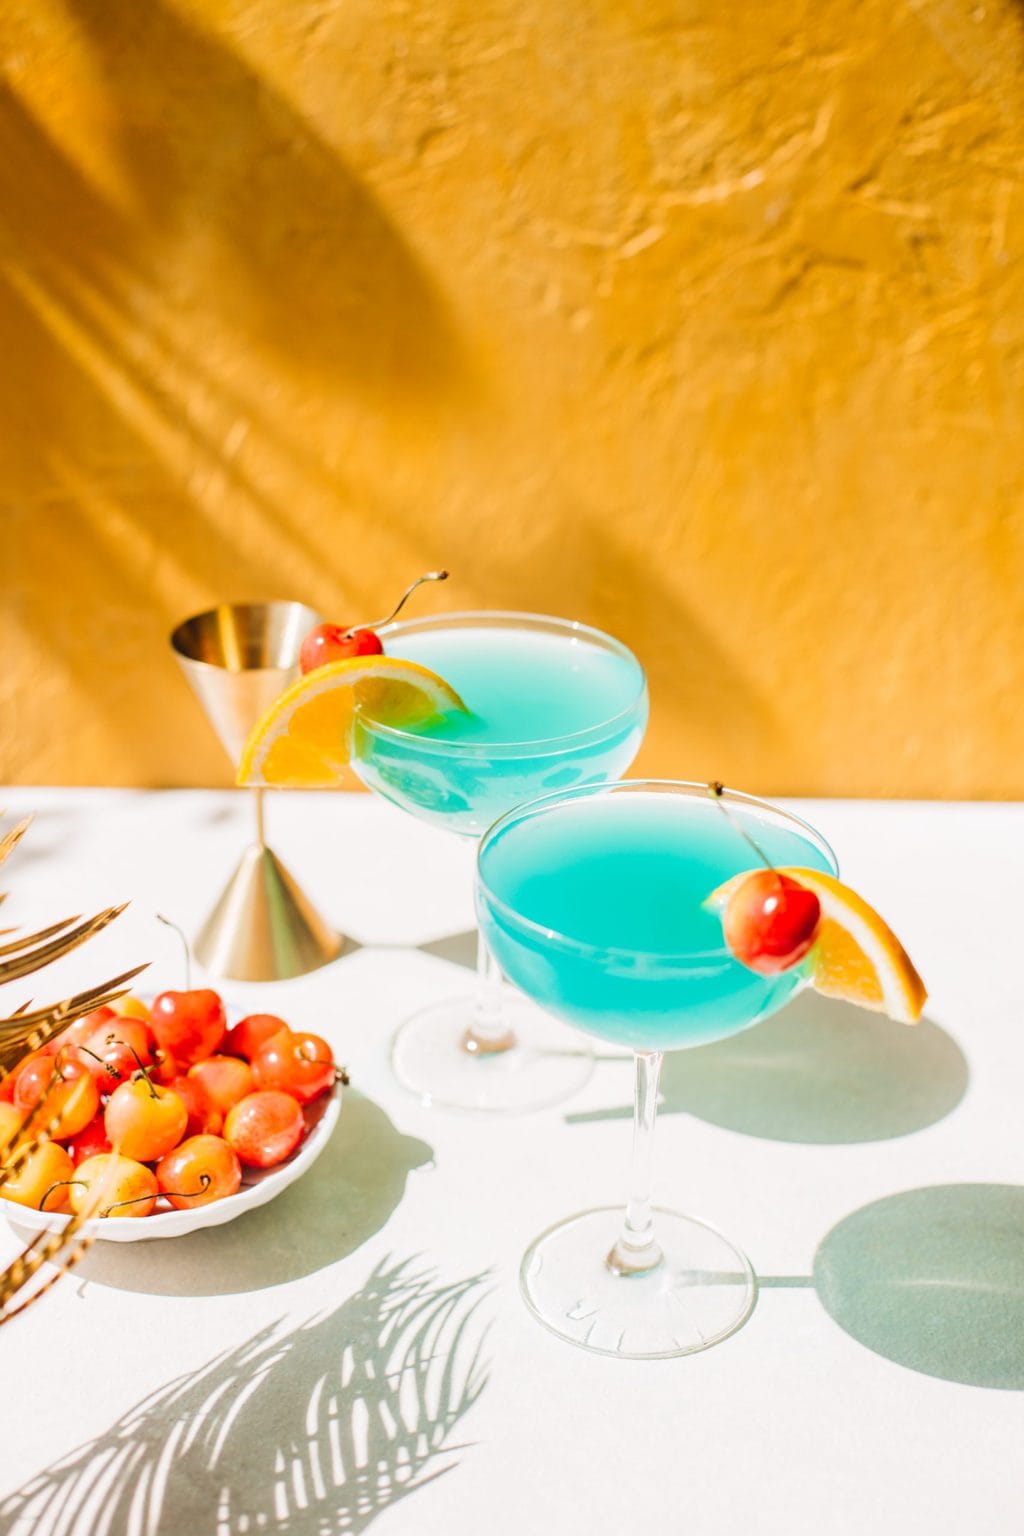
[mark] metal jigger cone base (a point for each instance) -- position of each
(263, 928)
(238, 658)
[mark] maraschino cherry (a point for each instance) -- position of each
(770, 921)
(335, 642)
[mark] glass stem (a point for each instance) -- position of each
(636, 1252)
(260, 835)
(488, 1034)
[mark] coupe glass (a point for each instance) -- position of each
(594, 903)
(553, 704)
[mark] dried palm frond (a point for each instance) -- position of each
(27, 1029)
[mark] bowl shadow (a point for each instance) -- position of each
(349, 1193)
(818, 1072)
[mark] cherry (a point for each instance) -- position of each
(223, 1079)
(115, 1050)
(201, 1169)
(770, 921)
(90, 1142)
(204, 1118)
(299, 1064)
(32, 1182)
(11, 1122)
(145, 1120)
(57, 1089)
(189, 1025)
(331, 642)
(127, 1186)
(79, 1032)
(246, 1037)
(264, 1128)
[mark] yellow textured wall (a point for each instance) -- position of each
(703, 322)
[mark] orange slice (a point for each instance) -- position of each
(855, 956)
(304, 739)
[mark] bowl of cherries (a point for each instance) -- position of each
(164, 1118)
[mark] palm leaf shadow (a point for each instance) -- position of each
(311, 1432)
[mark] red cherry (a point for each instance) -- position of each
(299, 1064)
(332, 642)
(770, 921)
(204, 1118)
(264, 1128)
(223, 1079)
(189, 1025)
(116, 1049)
(91, 1141)
(246, 1037)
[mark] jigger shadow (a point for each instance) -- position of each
(309, 1432)
(348, 1194)
(816, 1072)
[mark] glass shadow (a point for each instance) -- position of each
(818, 1071)
(933, 1279)
(309, 1430)
(348, 1194)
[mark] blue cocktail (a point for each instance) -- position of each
(551, 704)
(595, 904)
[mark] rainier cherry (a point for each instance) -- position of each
(144, 1120)
(770, 921)
(31, 1184)
(189, 1025)
(126, 1187)
(201, 1169)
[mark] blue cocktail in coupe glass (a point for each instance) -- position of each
(550, 704)
(595, 904)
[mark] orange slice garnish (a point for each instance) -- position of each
(304, 739)
(855, 955)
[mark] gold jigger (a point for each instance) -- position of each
(238, 658)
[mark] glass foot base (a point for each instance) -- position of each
(703, 1290)
(548, 1062)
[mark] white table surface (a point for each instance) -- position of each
(877, 1385)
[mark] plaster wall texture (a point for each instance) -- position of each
(703, 323)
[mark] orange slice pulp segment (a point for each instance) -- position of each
(304, 739)
(855, 955)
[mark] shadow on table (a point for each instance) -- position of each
(819, 1072)
(348, 1194)
(932, 1279)
(312, 1431)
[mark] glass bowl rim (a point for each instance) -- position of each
(548, 744)
(692, 788)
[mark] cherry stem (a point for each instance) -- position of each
(205, 1180)
(716, 790)
(341, 1076)
(60, 1184)
(428, 576)
(185, 946)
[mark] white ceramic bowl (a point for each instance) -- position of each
(258, 1186)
